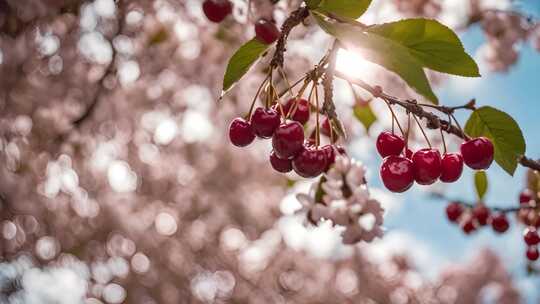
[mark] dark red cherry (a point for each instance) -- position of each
(427, 166)
(408, 153)
(330, 153)
(397, 173)
(481, 214)
(454, 211)
(477, 153)
(468, 225)
(301, 114)
(217, 10)
(264, 122)
(310, 162)
(240, 132)
(280, 165)
(452, 167)
(325, 127)
(288, 140)
(341, 150)
(266, 31)
(525, 196)
(389, 144)
(530, 235)
(532, 253)
(500, 223)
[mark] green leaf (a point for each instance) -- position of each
(481, 183)
(241, 61)
(346, 8)
(503, 131)
(435, 45)
(365, 115)
(383, 51)
(312, 3)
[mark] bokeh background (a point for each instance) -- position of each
(118, 183)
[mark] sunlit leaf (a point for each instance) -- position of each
(481, 183)
(346, 8)
(241, 61)
(365, 115)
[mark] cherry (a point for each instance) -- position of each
(427, 166)
(266, 31)
(310, 162)
(301, 114)
(397, 173)
(532, 253)
(452, 167)
(341, 150)
(525, 196)
(499, 222)
(468, 226)
(408, 153)
(477, 153)
(240, 132)
(330, 153)
(217, 10)
(325, 127)
(288, 140)
(530, 235)
(264, 122)
(280, 165)
(481, 214)
(453, 211)
(389, 144)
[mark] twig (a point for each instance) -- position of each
(294, 19)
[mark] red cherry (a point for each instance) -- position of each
(532, 253)
(500, 223)
(240, 132)
(325, 127)
(389, 144)
(452, 167)
(530, 235)
(301, 114)
(341, 150)
(427, 166)
(468, 226)
(481, 214)
(310, 162)
(264, 122)
(408, 153)
(266, 31)
(454, 211)
(525, 196)
(288, 140)
(397, 173)
(477, 153)
(217, 10)
(330, 153)
(280, 165)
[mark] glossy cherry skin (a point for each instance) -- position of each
(264, 122)
(389, 144)
(427, 166)
(288, 140)
(500, 223)
(468, 226)
(217, 10)
(477, 153)
(481, 214)
(330, 153)
(310, 162)
(397, 173)
(280, 165)
(452, 167)
(241, 133)
(454, 211)
(266, 31)
(301, 113)
(530, 236)
(525, 196)
(532, 253)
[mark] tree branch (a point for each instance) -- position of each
(294, 19)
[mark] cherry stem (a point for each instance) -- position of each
(443, 141)
(394, 118)
(408, 132)
(422, 129)
(286, 80)
(317, 127)
(257, 95)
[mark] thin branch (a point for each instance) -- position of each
(294, 19)
(471, 206)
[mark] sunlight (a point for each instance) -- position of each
(352, 64)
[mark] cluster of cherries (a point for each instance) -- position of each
(217, 10)
(401, 167)
(471, 219)
(291, 151)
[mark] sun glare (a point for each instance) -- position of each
(353, 64)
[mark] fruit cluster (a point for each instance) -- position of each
(401, 167)
(216, 11)
(284, 124)
(471, 219)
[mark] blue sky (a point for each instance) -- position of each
(517, 93)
